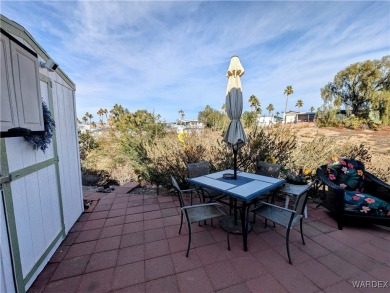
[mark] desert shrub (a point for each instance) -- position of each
(359, 123)
(86, 143)
(316, 152)
(327, 117)
(273, 141)
(168, 155)
(110, 157)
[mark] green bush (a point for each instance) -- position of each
(327, 117)
(359, 123)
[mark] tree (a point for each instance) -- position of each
(90, 118)
(181, 113)
(248, 118)
(86, 115)
(287, 91)
(277, 114)
(117, 110)
(270, 109)
(361, 87)
(213, 119)
(223, 108)
(312, 109)
(254, 104)
(299, 104)
(93, 124)
(85, 119)
(255, 107)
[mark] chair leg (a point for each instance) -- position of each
(189, 239)
(181, 221)
(287, 245)
(300, 224)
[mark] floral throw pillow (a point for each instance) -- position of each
(348, 174)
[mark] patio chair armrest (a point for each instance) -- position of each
(188, 190)
(376, 180)
(272, 205)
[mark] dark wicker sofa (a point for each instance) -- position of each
(360, 199)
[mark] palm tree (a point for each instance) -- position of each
(85, 119)
(87, 115)
(255, 104)
(299, 104)
(105, 112)
(181, 113)
(270, 109)
(100, 113)
(93, 124)
(288, 91)
(90, 118)
(312, 109)
(277, 114)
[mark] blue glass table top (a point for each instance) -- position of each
(246, 187)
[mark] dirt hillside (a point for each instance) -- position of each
(378, 142)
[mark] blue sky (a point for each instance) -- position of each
(170, 55)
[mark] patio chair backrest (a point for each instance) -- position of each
(198, 169)
(300, 203)
(178, 190)
(268, 169)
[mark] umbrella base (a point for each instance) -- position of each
(232, 227)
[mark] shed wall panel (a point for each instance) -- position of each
(37, 215)
(68, 149)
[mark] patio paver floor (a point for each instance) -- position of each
(130, 243)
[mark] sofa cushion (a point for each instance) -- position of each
(348, 174)
(365, 204)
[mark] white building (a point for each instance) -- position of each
(41, 193)
(267, 120)
(290, 117)
(186, 126)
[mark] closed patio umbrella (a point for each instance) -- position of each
(235, 135)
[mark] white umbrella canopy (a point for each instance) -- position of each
(235, 134)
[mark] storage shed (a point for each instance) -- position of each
(41, 192)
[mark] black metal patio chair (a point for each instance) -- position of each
(285, 217)
(197, 213)
(201, 169)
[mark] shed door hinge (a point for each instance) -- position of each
(5, 179)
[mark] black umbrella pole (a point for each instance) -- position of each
(235, 163)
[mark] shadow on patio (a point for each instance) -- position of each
(130, 243)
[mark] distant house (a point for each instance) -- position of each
(267, 120)
(295, 117)
(182, 125)
(291, 117)
(306, 117)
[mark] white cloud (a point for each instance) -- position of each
(173, 55)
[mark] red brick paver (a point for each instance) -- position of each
(130, 243)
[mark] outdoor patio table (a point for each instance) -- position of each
(246, 188)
